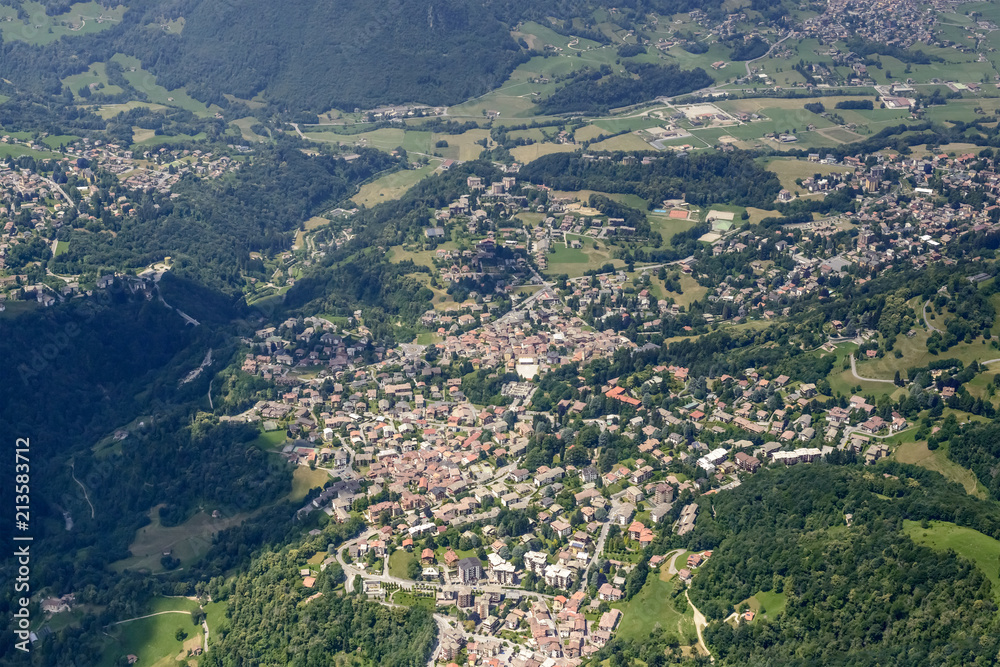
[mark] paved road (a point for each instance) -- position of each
(854, 372)
(768, 52)
(928, 322)
(598, 550)
(62, 192)
(672, 560)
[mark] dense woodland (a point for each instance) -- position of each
(598, 90)
(312, 55)
(211, 228)
(978, 449)
(271, 625)
(859, 594)
(701, 179)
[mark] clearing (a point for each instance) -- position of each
(392, 186)
(654, 606)
(153, 639)
(917, 453)
(981, 549)
(187, 542)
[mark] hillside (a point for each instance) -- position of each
(306, 54)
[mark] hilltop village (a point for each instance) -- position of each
(434, 444)
(431, 444)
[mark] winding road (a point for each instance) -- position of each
(926, 321)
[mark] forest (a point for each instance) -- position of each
(701, 179)
(210, 228)
(344, 55)
(858, 591)
(977, 447)
(271, 625)
(598, 90)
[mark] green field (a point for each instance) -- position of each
(244, 125)
(156, 140)
(107, 111)
(525, 154)
(392, 186)
(399, 561)
(917, 453)
(14, 309)
(411, 600)
(271, 439)
(215, 616)
(653, 606)
(982, 550)
(772, 603)
(304, 479)
(81, 19)
(787, 170)
(95, 75)
(19, 150)
(575, 262)
(145, 82)
(153, 639)
(61, 248)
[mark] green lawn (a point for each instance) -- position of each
(271, 439)
(304, 479)
(981, 549)
(153, 639)
(653, 606)
(768, 605)
(411, 600)
(399, 563)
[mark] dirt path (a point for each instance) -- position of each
(159, 613)
(699, 625)
(86, 497)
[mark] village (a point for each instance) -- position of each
(431, 443)
(40, 197)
